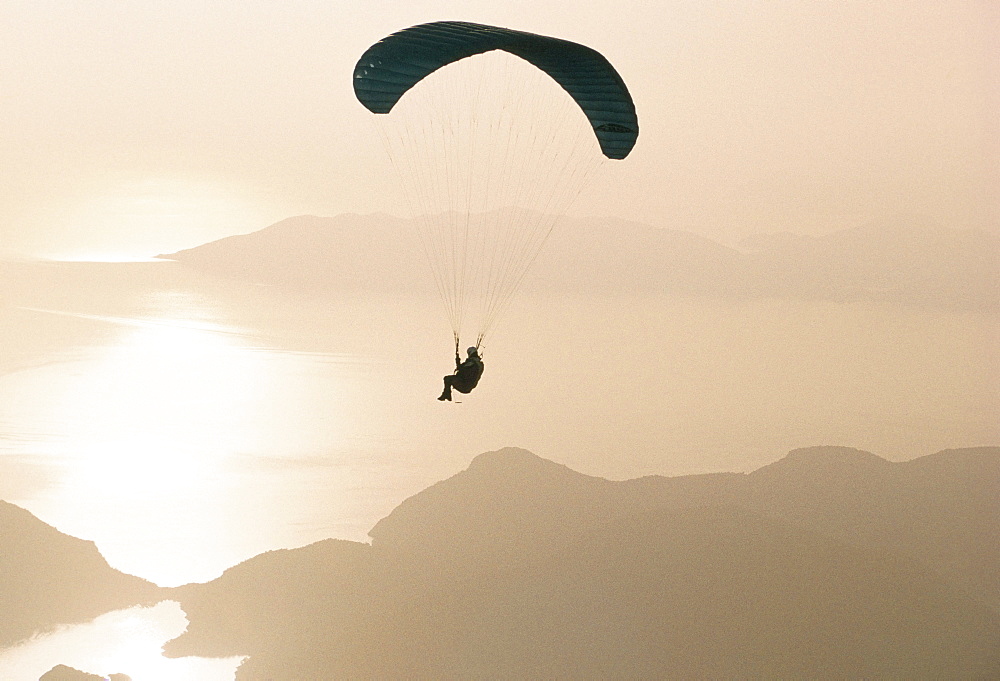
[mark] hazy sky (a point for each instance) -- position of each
(150, 126)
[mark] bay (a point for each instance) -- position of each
(119, 642)
(186, 422)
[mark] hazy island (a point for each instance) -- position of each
(907, 260)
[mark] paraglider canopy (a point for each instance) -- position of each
(493, 133)
(396, 63)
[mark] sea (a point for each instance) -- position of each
(185, 421)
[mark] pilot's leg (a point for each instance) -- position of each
(446, 394)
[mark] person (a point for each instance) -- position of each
(466, 375)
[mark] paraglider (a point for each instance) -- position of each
(466, 376)
(487, 138)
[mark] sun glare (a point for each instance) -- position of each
(157, 411)
(150, 434)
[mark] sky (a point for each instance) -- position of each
(130, 129)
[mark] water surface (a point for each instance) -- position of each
(186, 423)
(120, 642)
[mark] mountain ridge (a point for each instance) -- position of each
(519, 566)
(897, 262)
(50, 578)
(823, 563)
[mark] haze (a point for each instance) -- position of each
(136, 129)
(739, 411)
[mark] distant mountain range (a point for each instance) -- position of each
(830, 563)
(906, 261)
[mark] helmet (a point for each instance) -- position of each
(473, 351)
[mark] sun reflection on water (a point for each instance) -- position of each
(149, 433)
(121, 642)
(159, 408)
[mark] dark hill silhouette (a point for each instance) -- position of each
(50, 578)
(63, 673)
(940, 510)
(225, 613)
(902, 261)
(522, 568)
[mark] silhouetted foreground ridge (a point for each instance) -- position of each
(63, 673)
(831, 563)
(49, 578)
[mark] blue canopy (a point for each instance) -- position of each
(396, 63)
